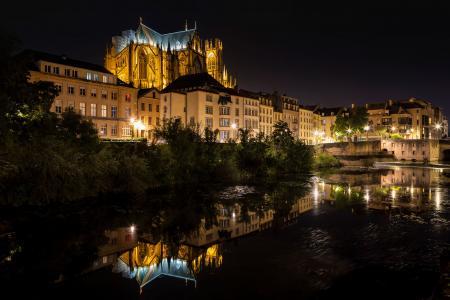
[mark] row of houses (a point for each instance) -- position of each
(120, 111)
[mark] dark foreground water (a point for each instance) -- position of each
(379, 235)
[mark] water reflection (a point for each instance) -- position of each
(183, 236)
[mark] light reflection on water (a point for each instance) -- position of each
(284, 239)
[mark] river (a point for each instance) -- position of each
(373, 235)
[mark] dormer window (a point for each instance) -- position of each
(105, 79)
(89, 76)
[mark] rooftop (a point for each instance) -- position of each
(62, 60)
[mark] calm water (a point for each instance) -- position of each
(367, 236)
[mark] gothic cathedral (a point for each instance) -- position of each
(146, 58)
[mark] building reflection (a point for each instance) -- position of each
(148, 261)
(412, 189)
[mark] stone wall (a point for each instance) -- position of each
(352, 148)
(412, 150)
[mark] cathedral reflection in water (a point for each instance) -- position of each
(139, 255)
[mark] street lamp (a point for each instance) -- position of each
(366, 129)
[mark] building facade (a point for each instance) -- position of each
(90, 90)
(146, 58)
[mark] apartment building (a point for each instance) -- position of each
(88, 89)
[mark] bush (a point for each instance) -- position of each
(325, 160)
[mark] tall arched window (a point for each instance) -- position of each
(211, 63)
(142, 66)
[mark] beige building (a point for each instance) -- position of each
(290, 108)
(199, 99)
(90, 90)
(307, 125)
(411, 119)
(327, 120)
(148, 112)
(266, 115)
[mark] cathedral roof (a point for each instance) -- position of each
(145, 35)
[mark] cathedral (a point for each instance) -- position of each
(146, 58)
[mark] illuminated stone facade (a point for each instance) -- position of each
(145, 58)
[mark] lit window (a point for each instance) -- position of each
(105, 79)
(104, 111)
(126, 131)
(224, 135)
(93, 109)
(95, 76)
(89, 76)
(209, 110)
(82, 108)
(104, 129)
(224, 110)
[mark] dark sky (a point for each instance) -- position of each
(329, 53)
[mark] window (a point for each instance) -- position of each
(58, 106)
(74, 73)
(157, 108)
(143, 106)
(237, 112)
(105, 79)
(70, 90)
(113, 130)
(104, 111)
(153, 95)
(104, 129)
(82, 108)
(104, 94)
(150, 108)
(58, 88)
(66, 72)
(224, 110)
(89, 76)
(192, 121)
(93, 93)
(71, 105)
(56, 70)
(127, 112)
(209, 122)
(157, 121)
(209, 110)
(149, 120)
(224, 135)
(95, 77)
(93, 109)
(237, 101)
(82, 91)
(223, 122)
(114, 95)
(113, 111)
(126, 131)
(165, 109)
(127, 97)
(47, 69)
(209, 98)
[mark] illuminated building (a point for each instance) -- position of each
(412, 119)
(146, 58)
(148, 112)
(89, 90)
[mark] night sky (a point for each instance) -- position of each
(327, 53)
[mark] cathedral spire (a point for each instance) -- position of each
(140, 20)
(195, 25)
(186, 26)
